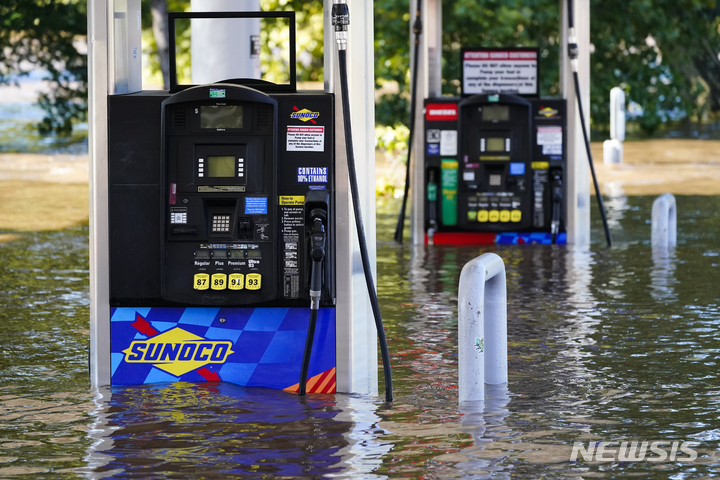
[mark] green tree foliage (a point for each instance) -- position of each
(466, 23)
(663, 53)
(44, 34)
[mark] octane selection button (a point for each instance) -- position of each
(219, 281)
(237, 281)
(201, 281)
(252, 281)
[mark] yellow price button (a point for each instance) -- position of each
(252, 281)
(494, 215)
(483, 216)
(472, 215)
(515, 216)
(201, 281)
(504, 215)
(218, 281)
(237, 281)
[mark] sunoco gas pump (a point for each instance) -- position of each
(444, 207)
(499, 154)
(222, 232)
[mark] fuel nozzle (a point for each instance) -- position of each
(557, 195)
(318, 239)
(317, 207)
(340, 20)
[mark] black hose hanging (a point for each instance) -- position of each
(417, 30)
(307, 352)
(573, 54)
(342, 56)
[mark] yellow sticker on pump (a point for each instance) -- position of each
(236, 281)
(218, 281)
(201, 281)
(252, 281)
(292, 200)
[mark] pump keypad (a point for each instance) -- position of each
(221, 224)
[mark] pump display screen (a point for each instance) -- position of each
(495, 144)
(221, 116)
(221, 166)
(496, 113)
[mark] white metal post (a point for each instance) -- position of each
(482, 327)
(357, 370)
(222, 49)
(664, 221)
(98, 80)
(417, 172)
(617, 114)
(578, 170)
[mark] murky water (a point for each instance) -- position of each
(19, 134)
(605, 345)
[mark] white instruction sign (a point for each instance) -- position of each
(500, 71)
(549, 136)
(305, 138)
(448, 142)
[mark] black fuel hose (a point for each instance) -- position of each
(341, 21)
(417, 30)
(307, 352)
(573, 54)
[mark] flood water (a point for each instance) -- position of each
(604, 345)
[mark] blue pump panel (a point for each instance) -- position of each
(253, 347)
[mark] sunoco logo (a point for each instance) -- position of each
(304, 115)
(178, 351)
(548, 112)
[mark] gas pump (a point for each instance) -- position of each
(222, 251)
(499, 154)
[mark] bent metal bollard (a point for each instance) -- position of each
(664, 221)
(482, 327)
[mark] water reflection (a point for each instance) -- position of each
(220, 430)
(604, 345)
(662, 274)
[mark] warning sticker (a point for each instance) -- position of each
(549, 136)
(305, 138)
(448, 142)
(500, 71)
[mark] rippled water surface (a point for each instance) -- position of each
(605, 345)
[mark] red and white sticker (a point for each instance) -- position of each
(442, 112)
(305, 138)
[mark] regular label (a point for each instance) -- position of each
(305, 138)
